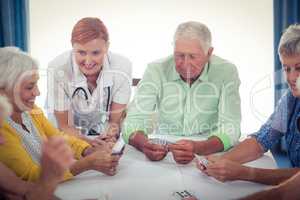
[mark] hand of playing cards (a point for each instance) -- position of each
(118, 147)
(160, 141)
(202, 162)
(155, 149)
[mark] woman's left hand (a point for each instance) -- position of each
(107, 137)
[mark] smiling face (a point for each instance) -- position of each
(89, 56)
(291, 68)
(25, 92)
(190, 58)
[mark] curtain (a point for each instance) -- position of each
(14, 23)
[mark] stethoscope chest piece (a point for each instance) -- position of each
(88, 114)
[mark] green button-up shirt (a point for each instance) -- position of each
(164, 103)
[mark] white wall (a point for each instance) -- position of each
(142, 30)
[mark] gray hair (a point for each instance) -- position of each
(289, 44)
(194, 30)
(14, 63)
(5, 106)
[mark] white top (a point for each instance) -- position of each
(31, 140)
(113, 85)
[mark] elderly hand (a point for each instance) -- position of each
(98, 144)
(154, 152)
(183, 151)
(211, 158)
(102, 160)
(224, 170)
(107, 137)
(57, 157)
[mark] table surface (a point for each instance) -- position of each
(141, 179)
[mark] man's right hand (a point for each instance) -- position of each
(154, 152)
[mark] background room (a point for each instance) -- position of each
(143, 30)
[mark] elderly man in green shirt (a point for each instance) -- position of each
(192, 93)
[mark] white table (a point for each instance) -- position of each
(140, 179)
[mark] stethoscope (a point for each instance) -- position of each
(81, 89)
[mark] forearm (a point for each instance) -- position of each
(41, 190)
(273, 193)
(290, 188)
(209, 146)
(287, 190)
(70, 130)
(62, 118)
(267, 176)
(80, 166)
(138, 139)
(245, 151)
(9, 182)
(113, 129)
(75, 132)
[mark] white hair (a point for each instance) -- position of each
(194, 30)
(14, 63)
(289, 44)
(5, 106)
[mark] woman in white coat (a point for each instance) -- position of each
(89, 87)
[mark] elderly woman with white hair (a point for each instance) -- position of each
(194, 93)
(56, 158)
(284, 122)
(27, 127)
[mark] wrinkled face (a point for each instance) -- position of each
(291, 68)
(190, 58)
(24, 93)
(89, 56)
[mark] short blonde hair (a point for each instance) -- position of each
(5, 106)
(289, 44)
(14, 63)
